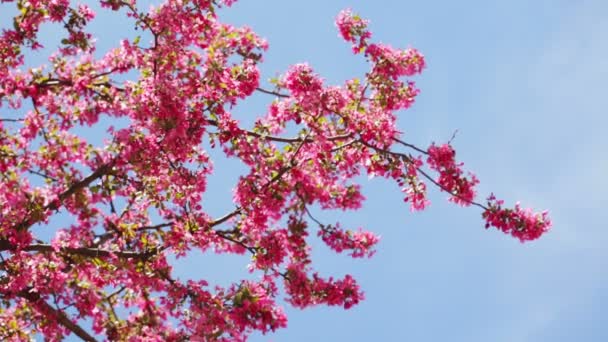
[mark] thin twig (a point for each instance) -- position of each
(282, 139)
(312, 217)
(410, 146)
(409, 158)
(447, 190)
(34, 172)
(270, 92)
(453, 137)
(252, 250)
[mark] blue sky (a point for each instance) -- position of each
(523, 82)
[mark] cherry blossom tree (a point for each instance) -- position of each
(135, 201)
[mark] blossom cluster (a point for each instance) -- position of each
(442, 159)
(353, 29)
(524, 224)
(360, 243)
(305, 291)
(120, 210)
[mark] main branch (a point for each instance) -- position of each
(82, 251)
(58, 315)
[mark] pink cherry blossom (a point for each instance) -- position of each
(523, 224)
(353, 29)
(442, 159)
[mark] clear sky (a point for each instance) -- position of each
(524, 84)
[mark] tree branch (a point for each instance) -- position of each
(59, 316)
(410, 146)
(285, 140)
(408, 159)
(5, 245)
(54, 205)
(102, 170)
(238, 210)
(225, 217)
(270, 92)
(43, 175)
